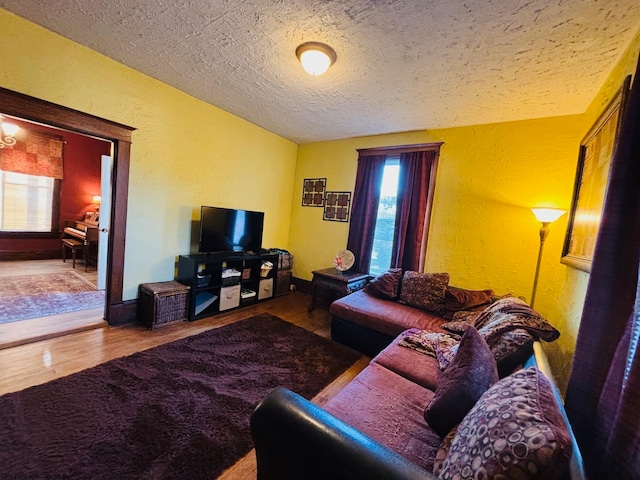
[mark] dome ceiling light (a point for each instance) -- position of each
(7, 133)
(316, 57)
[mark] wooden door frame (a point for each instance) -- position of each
(47, 113)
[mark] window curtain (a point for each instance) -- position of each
(366, 196)
(36, 154)
(413, 191)
(603, 394)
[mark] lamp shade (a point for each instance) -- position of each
(548, 215)
(316, 57)
(96, 200)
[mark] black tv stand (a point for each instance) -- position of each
(211, 294)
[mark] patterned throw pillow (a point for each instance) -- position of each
(511, 349)
(470, 374)
(386, 285)
(443, 450)
(514, 431)
(424, 290)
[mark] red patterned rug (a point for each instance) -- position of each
(34, 296)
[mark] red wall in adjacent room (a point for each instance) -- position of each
(82, 157)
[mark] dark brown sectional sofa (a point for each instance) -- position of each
(413, 413)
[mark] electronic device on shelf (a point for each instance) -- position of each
(230, 230)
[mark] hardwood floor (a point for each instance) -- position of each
(36, 363)
(26, 331)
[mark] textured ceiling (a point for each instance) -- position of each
(402, 65)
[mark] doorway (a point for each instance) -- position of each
(39, 111)
(56, 196)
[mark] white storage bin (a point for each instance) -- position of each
(266, 289)
(229, 297)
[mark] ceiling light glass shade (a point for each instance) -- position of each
(316, 57)
(7, 135)
(548, 215)
(10, 129)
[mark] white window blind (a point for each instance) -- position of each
(26, 202)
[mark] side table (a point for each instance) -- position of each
(343, 283)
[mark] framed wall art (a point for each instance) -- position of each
(313, 192)
(336, 206)
(594, 159)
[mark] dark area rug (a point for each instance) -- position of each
(177, 411)
(34, 296)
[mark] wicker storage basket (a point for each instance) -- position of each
(162, 303)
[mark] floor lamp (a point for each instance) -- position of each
(545, 216)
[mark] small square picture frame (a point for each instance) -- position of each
(313, 191)
(337, 206)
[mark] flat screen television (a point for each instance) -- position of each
(230, 230)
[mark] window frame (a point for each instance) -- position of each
(390, 151)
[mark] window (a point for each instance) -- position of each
(26, 202)
(386, 218)
(391, 207)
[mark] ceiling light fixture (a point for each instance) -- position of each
(8, 131)
(316, 57)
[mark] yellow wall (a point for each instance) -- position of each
(482, 230)
(185, 152)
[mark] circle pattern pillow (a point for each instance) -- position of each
(513, 432)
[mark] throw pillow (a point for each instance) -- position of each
(386, 285)
(459, 299)
(443, 450)
(511, 349)
(514, 431)
(424, 290)
(472, 371)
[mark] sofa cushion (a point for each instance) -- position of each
(459, 299)
(409, 363)
(514, 431)
(388, 408)
(472, 371)
(386, 285)
(424, 290)
(385, 316)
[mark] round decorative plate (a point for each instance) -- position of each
(344, 260)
